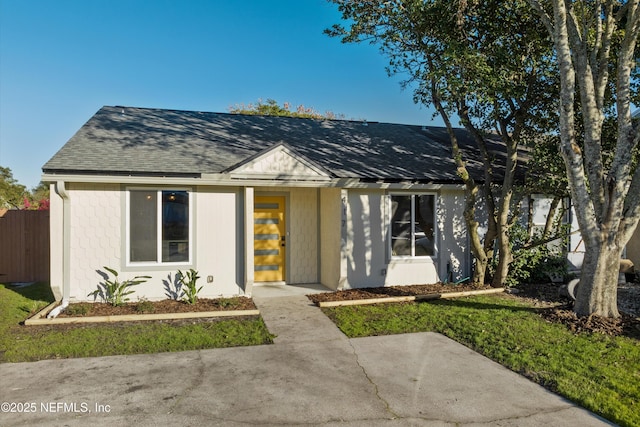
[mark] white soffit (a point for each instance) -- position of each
(279, 162)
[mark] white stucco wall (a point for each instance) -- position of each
(454, 249)
(335, 236)
(302, 240)
(218, 238)
(366, 245)
(330, 226)
(368, 258)
(98, 233)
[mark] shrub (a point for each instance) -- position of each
(115, 292)
(533, 260)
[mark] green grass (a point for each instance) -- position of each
(599, 372)
(19, 343)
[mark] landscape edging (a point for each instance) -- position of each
(40, 319)
(426, 297)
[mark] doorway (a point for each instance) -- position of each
(269, 245)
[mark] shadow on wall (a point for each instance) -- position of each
(367, 234)
(366, 242)
(453, 237)
(172, 287)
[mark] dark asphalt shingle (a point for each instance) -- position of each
(144, 141)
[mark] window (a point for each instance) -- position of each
(412, 225)
(159, 226)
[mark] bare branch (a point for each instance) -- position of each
(544, 16)
(602, 52)
(631, 212)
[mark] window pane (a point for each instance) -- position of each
(175, 226)
(401, 225)
(424, 225)
(143, 224)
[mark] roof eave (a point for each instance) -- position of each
(224, 180)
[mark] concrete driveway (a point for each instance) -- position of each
(312, 375)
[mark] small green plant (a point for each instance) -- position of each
(145, 306)
(188, 285)
(29, 308)
(228, 302)
(77, 309)
(115, 292)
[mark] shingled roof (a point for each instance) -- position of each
(157, 142)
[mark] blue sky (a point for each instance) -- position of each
(61, 60)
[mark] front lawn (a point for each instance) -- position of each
(599, 372)
(19, 343)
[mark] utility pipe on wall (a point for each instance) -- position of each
(66, 239)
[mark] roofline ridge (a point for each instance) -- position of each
(322, 119)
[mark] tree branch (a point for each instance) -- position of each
(544, 16)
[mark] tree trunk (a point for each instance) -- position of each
(481, 258)
(480, 253)
(551, 222)
(505, 258)
(530, 218)
(598, 289)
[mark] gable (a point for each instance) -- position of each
(279, 162)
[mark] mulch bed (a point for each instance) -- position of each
(626, 325)
(557, 308)
(157, 307)
(392, 291)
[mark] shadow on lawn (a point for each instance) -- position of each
(37, 291)
(479, 305)
(627, 326)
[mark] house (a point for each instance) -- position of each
(246, 200)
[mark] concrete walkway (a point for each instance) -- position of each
(312, 375)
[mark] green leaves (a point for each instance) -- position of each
(12, 193)
(493, 55)
(188, 286)
(271, 108)
(115, 292)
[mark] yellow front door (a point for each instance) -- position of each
(269, 238)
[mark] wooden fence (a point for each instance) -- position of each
(24, 246)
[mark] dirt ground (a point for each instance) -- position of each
(157, 307)
(558, 308)
(554, 307)
(392, 291)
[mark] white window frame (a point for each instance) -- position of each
(413, 221)
(158, 261)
